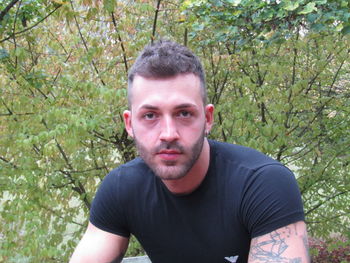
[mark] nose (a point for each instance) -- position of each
(169, 130)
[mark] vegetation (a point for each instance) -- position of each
(335, 250)
(277, 71)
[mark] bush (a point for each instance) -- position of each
(330, 251)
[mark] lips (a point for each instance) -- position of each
(169, 155)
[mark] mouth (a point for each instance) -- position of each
(169, 155)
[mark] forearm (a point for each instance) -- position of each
(288, 244)
(98, 246)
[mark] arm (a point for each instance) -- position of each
(98, 246)
(288, 244)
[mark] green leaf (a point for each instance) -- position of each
(320, 2)
(309, 8)
(291, 6)
(312, 17)
(109, 5)
(346, 30)
(234, 2)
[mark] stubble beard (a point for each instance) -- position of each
(171, 170)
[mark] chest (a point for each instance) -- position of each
(202, 227)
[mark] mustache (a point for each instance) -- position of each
(169, 146)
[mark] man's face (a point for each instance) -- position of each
(168, 122)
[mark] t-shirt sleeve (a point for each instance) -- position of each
(106, 211)
(271, 200)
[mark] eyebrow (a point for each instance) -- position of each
(148, 107)
(180, 106)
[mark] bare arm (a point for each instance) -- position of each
(98, 246)
(287, 244)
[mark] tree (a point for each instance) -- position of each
(246, 21)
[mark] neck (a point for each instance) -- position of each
(194, 177)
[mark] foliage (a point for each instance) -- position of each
(280, 83)
(335, 250)
(246, 21)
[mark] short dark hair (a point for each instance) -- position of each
(164, 59)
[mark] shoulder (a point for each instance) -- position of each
(136, 164)
(127, 178)
(249, 169)
(119, 193)
(267, 191)
(131, 170)
(240, 156)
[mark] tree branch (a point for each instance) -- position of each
(335, 77)
(8, 162)
(63, 155)
(78, 187)
(155, 21)
(319, 111)
(31, 27)
(14, 30)
(222, 128)
(56, 213)
(325, 201)
(16, 114)
(327, 218)
(86, 47)
(121, 43)
(7, 9)
(295, 54)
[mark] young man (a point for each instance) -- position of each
(188, 199)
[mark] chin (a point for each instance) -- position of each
(170, 177)
(170, 173)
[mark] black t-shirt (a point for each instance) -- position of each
(245, 194)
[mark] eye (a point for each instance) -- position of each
(149, 116)
(184, 114)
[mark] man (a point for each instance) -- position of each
(187, 198)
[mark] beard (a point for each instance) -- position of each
(168, 169)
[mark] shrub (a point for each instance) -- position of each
(335, 250)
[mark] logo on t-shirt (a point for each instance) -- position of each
(232, 259)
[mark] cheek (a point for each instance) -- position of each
(146, 135)
(192, 132)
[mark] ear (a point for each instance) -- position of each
(127, 123)
(209, 117)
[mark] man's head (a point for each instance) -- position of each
(165, 59)
(167, 115)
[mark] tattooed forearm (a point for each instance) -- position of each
(271, 249)
(285, 245)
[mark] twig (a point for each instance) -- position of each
(86, 47)
(14, 30)
(56, 213)
(31, 27)
(7, 9)
(325, 201)
(121, 43)
(155, 22)
(8, 162)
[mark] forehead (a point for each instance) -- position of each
(180, 89)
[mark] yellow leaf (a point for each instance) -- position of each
(60, 2)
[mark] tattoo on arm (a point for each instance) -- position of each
(270, 248)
